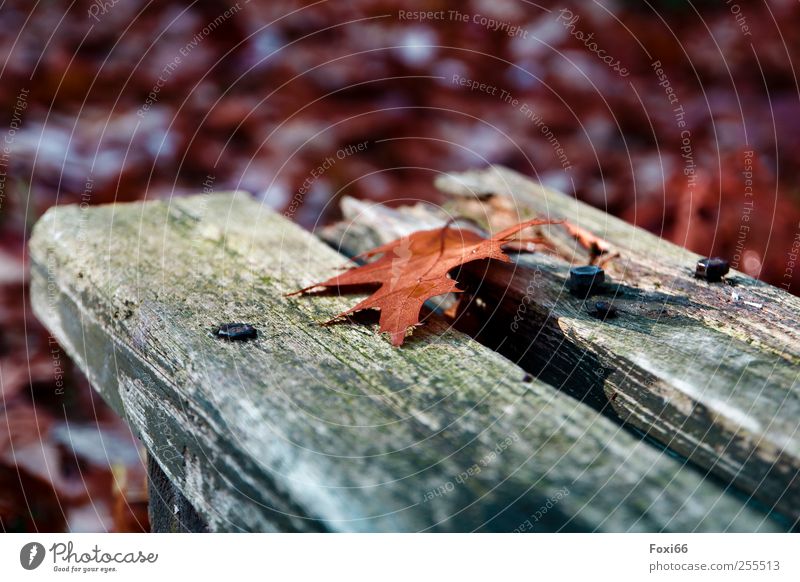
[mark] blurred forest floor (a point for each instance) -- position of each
(113, 101)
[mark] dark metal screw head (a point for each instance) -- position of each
(605, 310)
(236, 332)
(585, 279)
(711, 269)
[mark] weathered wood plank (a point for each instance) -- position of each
(169, 511)
(714, 379)
(329, 428)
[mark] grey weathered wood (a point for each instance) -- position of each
(168, 510)
(714, 379)
(329, 428)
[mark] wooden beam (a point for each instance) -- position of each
(708, 369)
(312, 428)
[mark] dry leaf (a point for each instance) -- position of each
(588, 240)
(415, 268)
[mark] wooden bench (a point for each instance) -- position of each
(681, 414)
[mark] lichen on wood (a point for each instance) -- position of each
(317, 428)
(713, 378)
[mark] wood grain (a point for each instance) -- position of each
(709, 370)
(312, 428)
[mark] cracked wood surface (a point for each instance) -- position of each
(313, 428)
(710, 376)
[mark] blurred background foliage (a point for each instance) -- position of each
(122, 100)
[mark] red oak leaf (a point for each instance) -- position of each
(588, 240)
(415, 268)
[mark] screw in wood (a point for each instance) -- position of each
(712, 269)
(585, 280)
(236, 332)
(605, 310)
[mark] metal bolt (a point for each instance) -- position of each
(711, 269)
(586, 279)
(236, 332)
(605, 310)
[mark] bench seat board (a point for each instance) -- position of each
(330, 428)
(711, 370)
